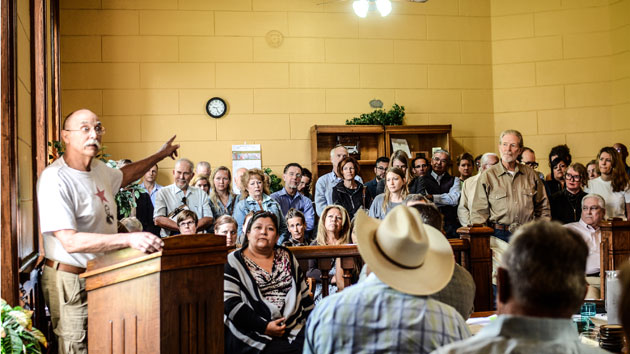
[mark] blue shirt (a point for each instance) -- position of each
(299, 202)
(243, 208)
(323, 190)
(371, 317)
(452, 197)
(153, 193)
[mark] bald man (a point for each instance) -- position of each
(77, 213)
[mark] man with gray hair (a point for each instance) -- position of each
(325, 183)
(540, 285)
(509, 194)
(444, 190)
(593, 211)
(179, 196)
(469, 187)
(203, 168)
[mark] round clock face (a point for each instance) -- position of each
(216, 107)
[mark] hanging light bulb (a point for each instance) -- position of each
(361, 7)
(384, 7)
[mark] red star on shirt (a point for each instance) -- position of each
(101, 194)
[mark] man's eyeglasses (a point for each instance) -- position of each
(574, 178)
(592, 208)
(532, 164)
(419, 166)
(99, 130)
(381, 168)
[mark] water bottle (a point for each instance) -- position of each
(613, 293)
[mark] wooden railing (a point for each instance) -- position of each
(614, 248)
(480, 263)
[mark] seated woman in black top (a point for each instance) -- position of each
(566, 205)
(349, 193)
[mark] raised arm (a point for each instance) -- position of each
(134, 171)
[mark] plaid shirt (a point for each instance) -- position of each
(371, 317)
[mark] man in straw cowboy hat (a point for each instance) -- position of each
(390, 311)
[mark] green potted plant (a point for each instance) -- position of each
(275, 183)
(380, 117)
(18, 333)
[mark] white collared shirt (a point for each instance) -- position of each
(593, 238)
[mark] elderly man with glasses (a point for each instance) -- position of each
(444, 190)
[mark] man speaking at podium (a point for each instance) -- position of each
(77, 213)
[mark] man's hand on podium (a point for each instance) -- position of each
(145, 242)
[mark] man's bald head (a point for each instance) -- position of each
(79, 113)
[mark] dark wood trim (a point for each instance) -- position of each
(39, 81)
(8, 158)
(55, 127)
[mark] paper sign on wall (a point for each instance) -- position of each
(247, 156)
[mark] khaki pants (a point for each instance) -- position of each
(594, 288)
(66, 298)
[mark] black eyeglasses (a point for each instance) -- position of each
(574, 178)
(532, 164)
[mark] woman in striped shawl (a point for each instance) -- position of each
(265, 294)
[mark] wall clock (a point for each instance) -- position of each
(216, 107)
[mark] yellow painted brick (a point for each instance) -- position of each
(136, 151)
(574, 120)
(76, 99)
(619, 39)
(194, 101)
(176, 22)
(139, 102)
(89, 22)
(24, 56)
(416, 119)
(526, 50)
(304, 24)
(474, 7)
(584, 95)
(444, 7)
(80, 4)
(394, 27)
(281, 152)
(254, 126)
(525, 99)
(542, 144)
(80, 49)
(122, 128)
(476, 52)
(186, 127)
(250, 23)
(219, 5)
(215, 49)
(357, 101)
(245, 75)
(359, 51)
(289, 101)
(620, 66)
(619, 14)
(572, 4)
(572, 21)
(429, 101)
(324, 75)
(596, 140)
(100, 75)
(477, 101)
(140, 4)
(586, 44)
(477, 145)
(301, 123)
(286, 5)
(24, 117)
(458, 28)
(524, 122)
(176, 75)
(301, 50)
(573, 71)
(218, 153)
(139, 49)
(512, 26)
(619, 116)
(465, 125)
(426, 52)
(509, 7)
(620, 91)
(393, 76)
(514, 75)
(460, 76)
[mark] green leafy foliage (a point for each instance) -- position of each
(18, 333)
(380, 117)
(275, 183)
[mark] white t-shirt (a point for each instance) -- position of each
(70, 199)
(615, 201)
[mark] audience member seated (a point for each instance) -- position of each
(203, 168)
(394, 195)
(399, 159)
(187, 222)
(143, 211)
(444, 190)
(391, 310)
(592, 170)
(257, 198)
(460, 290)
(266, 315)
(593, 208)
(349, 193)
(559, 161)
(296, 224)
(465, 166)
(149, 183)
(613, 184)
(240, 237)
(222, 198)
(239, 188)
(420, 167)
(201, 182)
(528, 157)
(226, 226)
(326, 183)
(305, 184)
(623, 151)
(382, 163)
(540, 286)
(289, 197)
(469, 187)
(179, 196)
(566, 204)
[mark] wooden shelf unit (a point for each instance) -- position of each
(421, 138)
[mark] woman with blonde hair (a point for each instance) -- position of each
(202, 182)
(395, 194)
(225, 225)
(222, 198)
(612, 184)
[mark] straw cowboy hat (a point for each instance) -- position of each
(405, 253)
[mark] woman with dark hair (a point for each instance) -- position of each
(465, 166)
(566, 205)
(304, 186)
(266, 299)
(296, 224)
(592, 170)
(613, 184)
(559, 161)
(350, 193)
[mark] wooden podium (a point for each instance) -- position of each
(614, 248)
(165, 302)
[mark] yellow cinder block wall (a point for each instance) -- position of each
(148, 67)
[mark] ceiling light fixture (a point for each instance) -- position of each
(361, 7)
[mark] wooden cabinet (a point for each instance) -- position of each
(373, 141)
